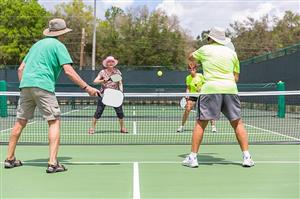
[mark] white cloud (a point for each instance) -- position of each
(171, 7)
(257, 12)
(198, 15)
(118, 3)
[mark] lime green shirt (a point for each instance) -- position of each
(194, 83)
(43, 64)
(219, 64)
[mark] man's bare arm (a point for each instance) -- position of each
(20, 70)
(236, 76)
(71, 73)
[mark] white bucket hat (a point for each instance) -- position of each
(109, 58)
(218, 35)
(56, 27)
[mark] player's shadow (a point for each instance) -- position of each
(66, 161)
(208, 159)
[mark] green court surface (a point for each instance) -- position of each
(153, 171)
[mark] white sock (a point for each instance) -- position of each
(246, 154)
(193, 155)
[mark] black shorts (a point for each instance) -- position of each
(194, 99)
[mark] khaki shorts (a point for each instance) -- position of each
(36, 97)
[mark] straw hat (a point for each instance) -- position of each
(56, 27)
(218, 35)
(109, 58)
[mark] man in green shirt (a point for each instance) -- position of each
(219, 93)
(37, 74)
(194, 82)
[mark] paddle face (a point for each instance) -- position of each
(116, 78)
(182, 102)
(112, 97)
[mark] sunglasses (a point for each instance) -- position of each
(192, 69)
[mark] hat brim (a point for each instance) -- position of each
(223, 42)
(104, 63)
(49, 33)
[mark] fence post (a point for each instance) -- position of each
(281, 100)
(3, 100)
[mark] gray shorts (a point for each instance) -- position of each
(210, 106)
(36, 97)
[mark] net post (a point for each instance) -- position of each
(281, 100)
(3, 99)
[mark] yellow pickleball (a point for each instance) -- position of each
(159, 73)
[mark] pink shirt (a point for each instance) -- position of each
(105, 74)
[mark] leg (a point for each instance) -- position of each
(120, 115)
(213, 126)
(189, 106)
(232, 110)
(54, 140)
(198, 134)
(209, 107)
(25, 111)
(14, 137)
(92, 129)
(191, 160)
(49, 108)
(97, 115)
(122, 126)
(240, 133)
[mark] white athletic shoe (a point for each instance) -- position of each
(248, 162)
(213, 129)
(190, 162)
(180, 129)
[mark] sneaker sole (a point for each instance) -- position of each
(186, 165)
(248, 166)
(56, 171)
(11, 166)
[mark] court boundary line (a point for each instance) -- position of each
(43, 120)
(136, 181)
(272, 132)
(167, 162)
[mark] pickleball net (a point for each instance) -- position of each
(270, 117)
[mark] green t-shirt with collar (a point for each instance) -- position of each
(194, 83)
(43, 64)
(219, 64)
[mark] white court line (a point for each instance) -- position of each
(136, 181)
(273, 132)
(166, 162)
(134, 122)
(4, 130)
(134, 128)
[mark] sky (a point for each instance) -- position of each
(197, 15)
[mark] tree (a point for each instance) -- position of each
(255, 37)
(287, 30)
(21, 25)
(77, 16)
(140, 38)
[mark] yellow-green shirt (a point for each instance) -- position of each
(219, 64)
(194, 83)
